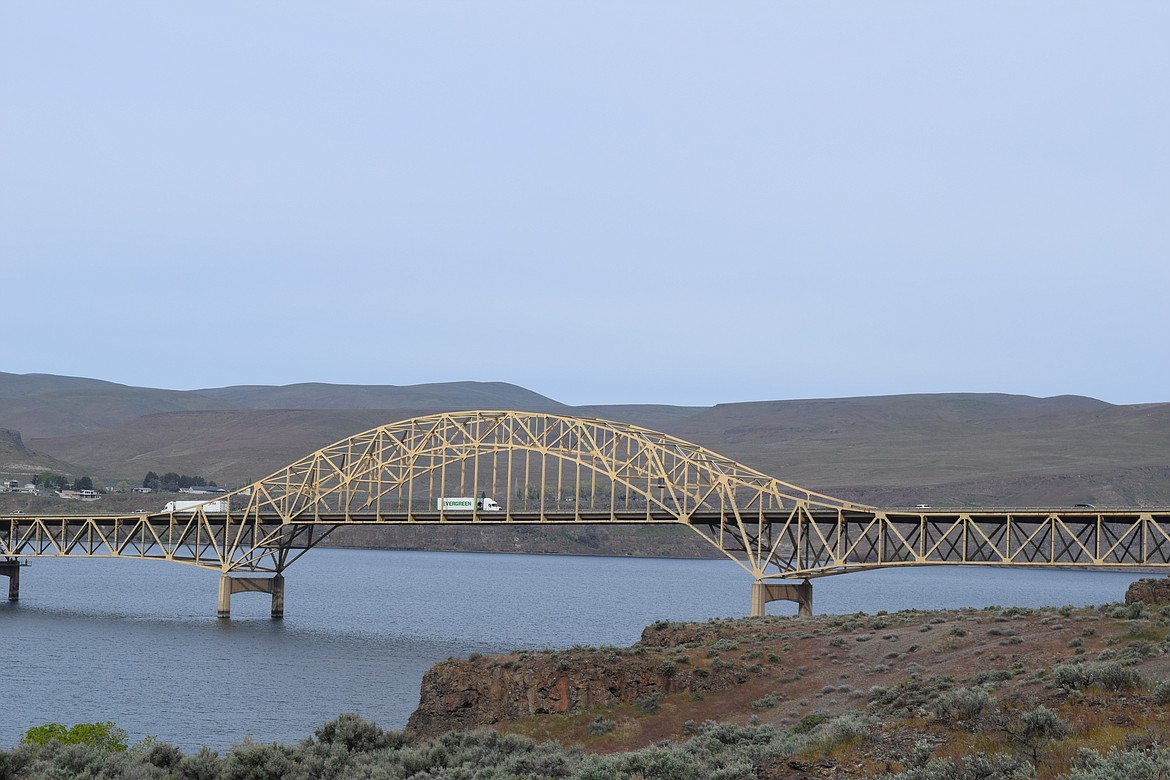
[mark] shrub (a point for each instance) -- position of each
(1036, 728)
(1138, 650)
(356, 735)
(103, 736)
(161, 754)
(850, 727)
(962, 705)
(1070, 677)
(1113, 677)
(1162, 692)
(668, 762)
(766, 702)
(58, 760)
(203, 765)
(601, 725)
(977, 766)
(1121, 765)
(910, 697)
(993, 676)
(809, 722)
(250, 761)
(1116, 677)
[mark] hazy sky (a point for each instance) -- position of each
(604, 202)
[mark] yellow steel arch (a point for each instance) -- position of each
(536, 468)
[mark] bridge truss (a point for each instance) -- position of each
(551, 469)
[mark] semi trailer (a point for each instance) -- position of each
(191, 506)
(467, 504)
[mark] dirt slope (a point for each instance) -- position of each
(958, 681)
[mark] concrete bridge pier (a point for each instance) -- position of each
(10, 568)
(764, 592)
(229, 585)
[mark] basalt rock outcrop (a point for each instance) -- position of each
(462, 694)
(1149, 591)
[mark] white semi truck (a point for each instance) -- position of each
(466, 505)
(191, 506)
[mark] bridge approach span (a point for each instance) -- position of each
(528, 468)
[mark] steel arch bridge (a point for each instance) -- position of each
(505, 467)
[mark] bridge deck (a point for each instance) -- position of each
(601, 516)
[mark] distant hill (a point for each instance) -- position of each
(666, 419)
(229, 447)
(447, 396)
(945, 449)
(45, 406)
(40, 405)
(942, 449)
(934, 440)
(19, 460)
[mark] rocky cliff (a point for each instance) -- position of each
(462, 694)
(795, 672)
(1149, 591)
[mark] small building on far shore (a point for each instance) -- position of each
(80, 495)
(203, 489)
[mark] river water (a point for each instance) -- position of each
(138, 643)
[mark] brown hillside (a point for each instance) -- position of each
(947, 449)
(950, 449)
(21, 463)
(228, 447)
(46, 406)
(956, 682)
(42, 405)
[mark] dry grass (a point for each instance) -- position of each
(818, 673)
